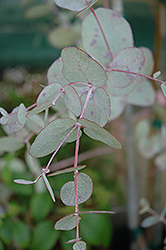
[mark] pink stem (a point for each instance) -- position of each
(134, 73)
(53, 103)
(52, 157)
(75, 182)
(86, 102)
(101, 29)
(33, 105)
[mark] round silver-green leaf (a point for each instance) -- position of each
(66, 223)
(84, 190)
(51, 136)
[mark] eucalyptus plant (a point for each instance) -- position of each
(90, 86)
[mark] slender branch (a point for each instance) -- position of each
(57, 97)
(75, 182)
(33, 105)
(86, 102)
(97, 212)
(134, 73)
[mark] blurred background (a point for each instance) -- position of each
(32, 34)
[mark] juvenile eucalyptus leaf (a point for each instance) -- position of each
(10, 144)
(147, 69)
(116, 29)
(99, 107)
(54, 73)
(4, 112)
(78, 66)
(38, 109)
(51, 136)
(73, 5)
(143, 95)
(24, 182)
(150, 221)
(157, 74)
(117, 107)
(148, 66)
(128, 60)
(72, 100)
(13, 124)
(48, 186)
(67, 170)
(66, 223)
(84, 190)
(163, 88)
(98, 133)
(49, 93)
(21, 114)
(80, 245)
(5, 117)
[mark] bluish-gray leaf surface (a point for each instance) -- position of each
(51, 136)
(21, 114)
(128, 60)
(98, 133)
(38, 109)
(10, 144)
(116, 29)
(78, 66)
(73, 5)
(54, 73)
(66, 223)
(50, 92)
(84, 190)
(99, 107)
(80, 245)
(72, 100)
(150, 221)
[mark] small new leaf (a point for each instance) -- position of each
(48, 186)
(67, 170)
(157, 74)
(5, 117)
(150, 221)
(24, 182)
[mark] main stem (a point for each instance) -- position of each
(75, 183)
